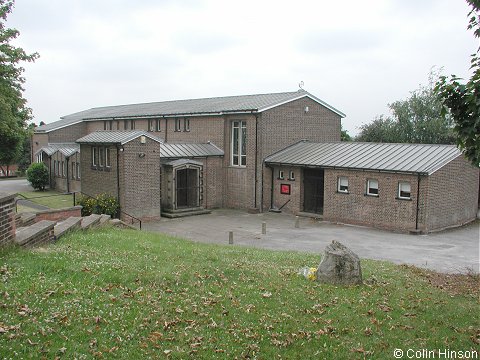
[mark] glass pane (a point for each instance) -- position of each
(235, 141)
(235, 159)
(244, 160)
(244, 139)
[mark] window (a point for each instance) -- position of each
(63, 169)
(186, 124)
(55, 167)
(281, 175)
(101, 156)
(157, 127)
(78, 171)
(239, 143)
(404, 190)
(73, 170)
(107, 157)
(125, 125)
(94, 156)
(372, 187)
(132, 124)
(342, 184)
(178, 126)
(108, 125)
(151, 125)
(291, 176)
(40, 157)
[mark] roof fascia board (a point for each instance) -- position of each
(140, 117)
(341, 114)
(444, 164)
(136, 137)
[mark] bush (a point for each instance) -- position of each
(102, 204)
(37, 176)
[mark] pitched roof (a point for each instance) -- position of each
(168, 150)
(67, 149)
(206, 106)
(115, 137)
(422, 159)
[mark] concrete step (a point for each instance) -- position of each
(70, 224)
(180, 214)
(39, 233)
(104, 218)
(90, 221)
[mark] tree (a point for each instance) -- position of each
(37, 176)
(344, 135)
(417, 119)
(13, 110)
(462, 101)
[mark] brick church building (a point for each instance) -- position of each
(252, 152)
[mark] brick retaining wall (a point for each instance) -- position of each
(59, 214)
(7, 218)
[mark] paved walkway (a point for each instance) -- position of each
(450, 251)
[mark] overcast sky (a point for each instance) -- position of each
(358, 56)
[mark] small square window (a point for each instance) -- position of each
(372, 187)
(291, 176)
(342, 184)
(404, 190)
(281, 175)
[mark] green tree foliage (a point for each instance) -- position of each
(37, 176)
(13, 110)
(417, 119)
(344, 135)
(462, 100)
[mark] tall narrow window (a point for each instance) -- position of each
(157, 127)
(94, 156)
(372, 187)
(178, 124)
(186, 124)
(342, 184)
(101, 156)
(73, 170)
(55, 168)
(78, 171)
(63, 169)
(107, 157)
(125, 125)
(404, 190)
(239, 143)
(151, 125)
(132, 124)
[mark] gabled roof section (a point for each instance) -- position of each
(207, 106)
(422, 159)
(181, 162)
(115, 137)
(168, 150)
(67, 149)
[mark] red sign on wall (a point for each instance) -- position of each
(285, 189)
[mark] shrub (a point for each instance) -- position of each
(102, 204)
(37, 176)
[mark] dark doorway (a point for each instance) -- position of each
(313, 181)
(187, 188)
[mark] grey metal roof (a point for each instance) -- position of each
(67, 149)
(407, 158)
(114, 137)
(168, 150)
(214, 106)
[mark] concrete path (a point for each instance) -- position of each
(451, 251)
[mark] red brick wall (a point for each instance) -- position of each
(384, 211)
(452, 195)
(58, 214)
(68, 134)
(293, 206)
(213, 175)
(38, 141)
(96, 180)
(7, 218)
(141, 179)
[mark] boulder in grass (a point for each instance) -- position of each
(339, 266)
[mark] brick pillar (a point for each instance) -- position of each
(7, 218)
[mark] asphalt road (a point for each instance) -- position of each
(452, 251)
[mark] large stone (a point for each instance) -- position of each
(339, 266)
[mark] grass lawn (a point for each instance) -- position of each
(126, 294)
(46, 198)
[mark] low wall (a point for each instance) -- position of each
(59, 214)
(7, 218)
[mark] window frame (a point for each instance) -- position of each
(291, 175)
(157, 125)
(94, 155)
(151, 125)
(240, 141)
(78, 170)
(101, 156)
(340, 185)
(178, 124)
(186, 124)
(63, 169)
(399, 191)
(368, 192)
(73, 170)
(281, 175)
(108, 160)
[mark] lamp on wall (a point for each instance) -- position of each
(141, 155)
(306, 109)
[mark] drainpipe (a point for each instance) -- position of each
(68, 177)
(118, 179)
(418, 201)
(256, 161)
(50, 172)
